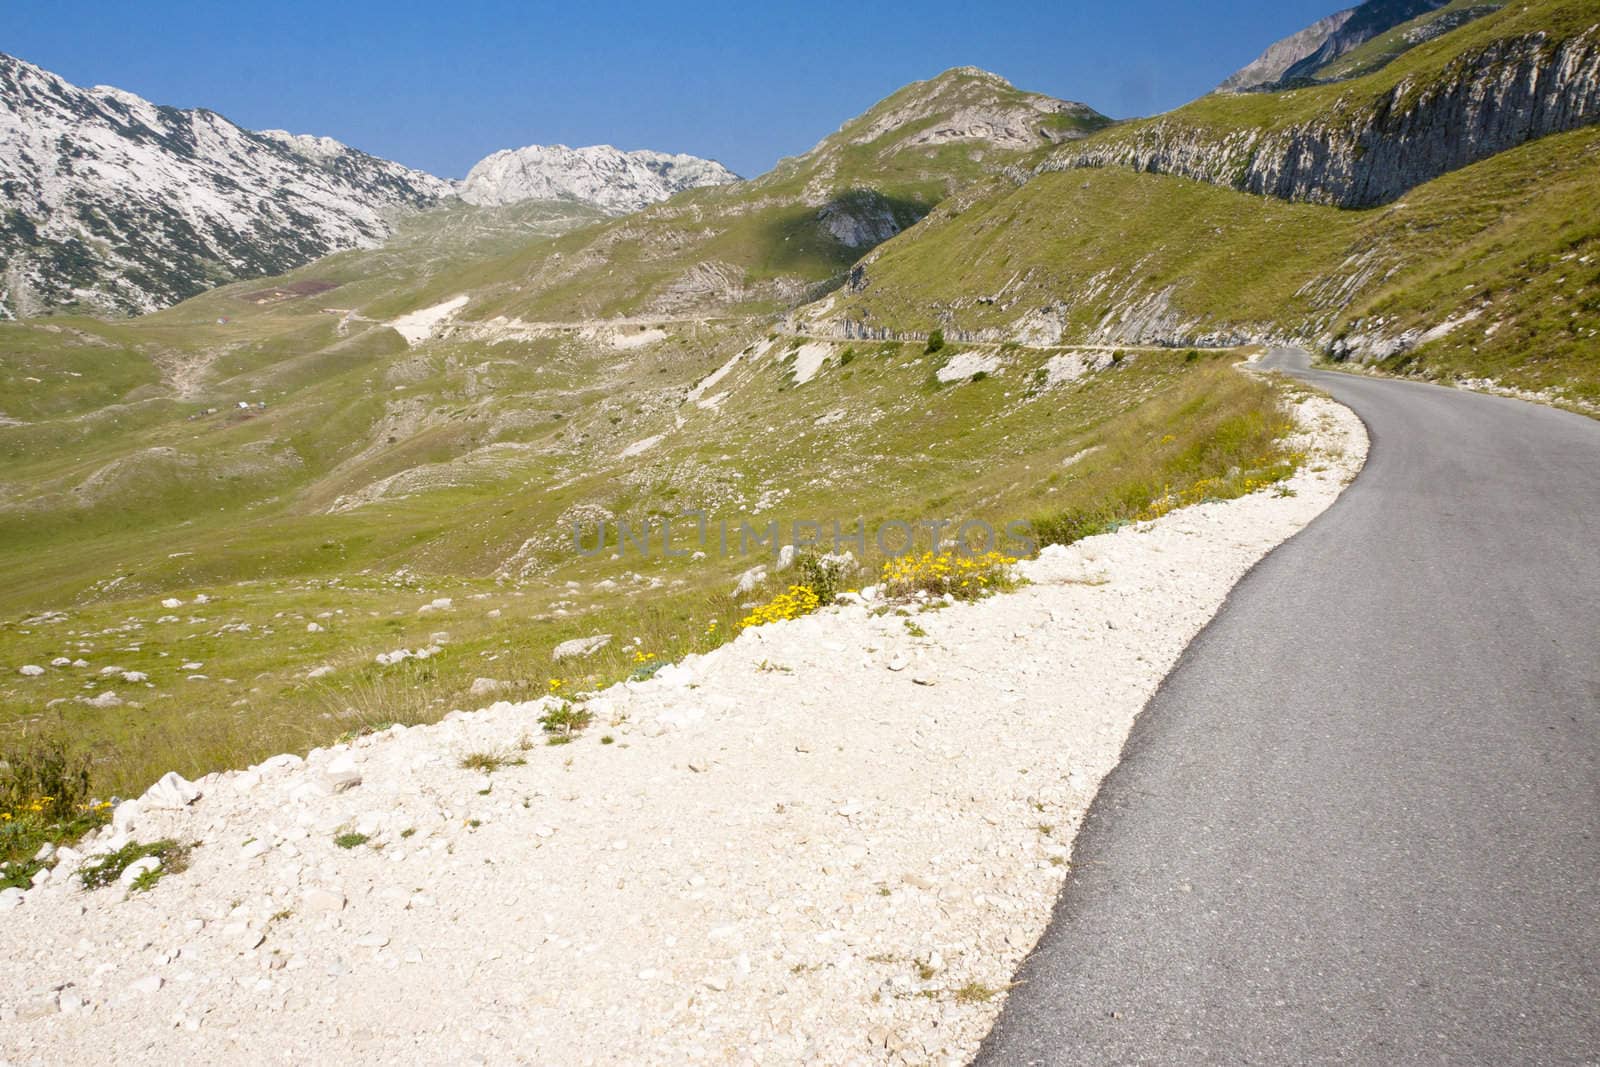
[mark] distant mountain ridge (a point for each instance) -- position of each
(607, 177)
(110, 203)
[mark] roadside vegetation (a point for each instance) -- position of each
(254, 625)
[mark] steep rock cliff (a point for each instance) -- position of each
(1363, 153)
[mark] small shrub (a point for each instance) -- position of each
(823, 574)
(1190, 356)
(979, 376)
(847, 357)
(350, 840)
(935, 341)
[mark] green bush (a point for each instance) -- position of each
(823, 575)
(935, 341)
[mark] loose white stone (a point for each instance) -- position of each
(322, 900)
(172, 793)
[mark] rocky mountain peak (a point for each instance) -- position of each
(969, 104)
(606, 177)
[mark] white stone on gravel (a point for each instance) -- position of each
(322, 900)
(31, 670)
(171, 792)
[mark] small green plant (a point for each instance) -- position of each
(608, 740)
(146, 880)
(489, 761)
(979, 376)
(913, 629)
(935, 341)
(1190, 356)
(104, 870)
(350, 840)
(847, 357)
(564, 722)
(19, 874)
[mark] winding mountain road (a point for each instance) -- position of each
(1360, 821)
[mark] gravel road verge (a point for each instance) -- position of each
(830, 841)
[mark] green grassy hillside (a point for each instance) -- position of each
(1505, 249)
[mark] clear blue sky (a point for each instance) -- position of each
(439, 85)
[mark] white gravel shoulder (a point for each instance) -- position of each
(791, 853)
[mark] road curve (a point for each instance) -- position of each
(1360, 821)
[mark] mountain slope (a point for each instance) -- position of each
(610, 179)
(1486, 271)
(113, 204)
(764, 245)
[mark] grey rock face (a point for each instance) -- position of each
(1483, 103)
(1270, 66)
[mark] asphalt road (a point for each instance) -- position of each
(1360, 821)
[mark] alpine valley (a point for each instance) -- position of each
(300, 446)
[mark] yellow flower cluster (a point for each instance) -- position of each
(641, 656)
(38, 804)
(962, 576)
(799, 600)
